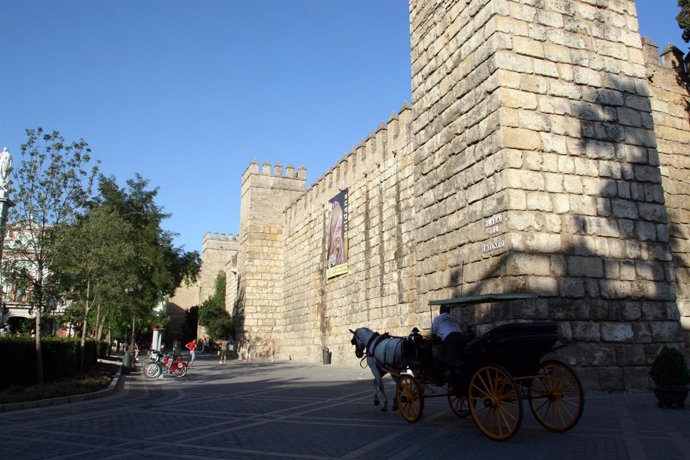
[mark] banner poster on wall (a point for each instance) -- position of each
(336, 263)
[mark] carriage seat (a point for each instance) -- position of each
(438, 351)
(440, 357)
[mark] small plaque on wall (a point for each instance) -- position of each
(336, 271)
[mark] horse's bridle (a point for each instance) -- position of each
(355, 341)
(362, 350)
(373, 337)
(365, 351)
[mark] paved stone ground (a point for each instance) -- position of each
(288, 410)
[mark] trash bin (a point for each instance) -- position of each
(326, 356)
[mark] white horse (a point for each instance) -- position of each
(384, 355)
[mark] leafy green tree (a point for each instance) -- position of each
(213, 315)
(683, 18)
(50, 187)
(159, 266)
(92, 261)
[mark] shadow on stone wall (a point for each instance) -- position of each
(183, 323)
(610, 284)
(681, 271)
(238, 307)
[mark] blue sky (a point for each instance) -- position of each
(188, 93)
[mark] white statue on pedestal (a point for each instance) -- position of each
(5, 168)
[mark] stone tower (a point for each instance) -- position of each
(265, 195)
(217, 253)
(533, 128)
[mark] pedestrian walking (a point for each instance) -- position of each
(272, 350)
(191, 346)
(248, 357)
(223, 350)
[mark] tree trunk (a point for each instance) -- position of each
(98, 318)
(39, 354)
(99, 331)
(87, 307)
(109, 340)
(131, 345)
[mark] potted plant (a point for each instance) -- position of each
(671, 376)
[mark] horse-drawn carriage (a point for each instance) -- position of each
(492, 377)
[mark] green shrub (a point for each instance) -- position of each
(95, 379)
(61, 358)
(670, 369)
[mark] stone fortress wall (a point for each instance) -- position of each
(218, 254)
(379, 287)
(310, 311)
(670, 110)
(545, 151)
(266, 192)
(559, 142)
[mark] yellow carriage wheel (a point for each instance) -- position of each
(458, 402)
(495, 402)
(556, 397)
(408, 394)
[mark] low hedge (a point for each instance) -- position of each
(61, 358)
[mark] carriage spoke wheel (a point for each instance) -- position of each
(410, 398)
(556, 397)
(495, 402)
(458, 403)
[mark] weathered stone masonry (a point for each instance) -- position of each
(265, 195)
(218, 254)
(546, 150)
(668, 87)
(379, 287)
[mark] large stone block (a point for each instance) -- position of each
(585, 266)
(518, 138)
(586, 331)
(631, 355)
(611, 378)
(665, 331)
(572, 288)
(617, 332)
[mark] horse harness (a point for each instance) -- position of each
(371, 345)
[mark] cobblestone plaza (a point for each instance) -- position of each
(287, 410)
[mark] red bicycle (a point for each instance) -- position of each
(165, 364)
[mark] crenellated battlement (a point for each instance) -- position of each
(217, 251)
(220, 242)
(266, 169)
(671, 60)
(371, 153)
(219, 237)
